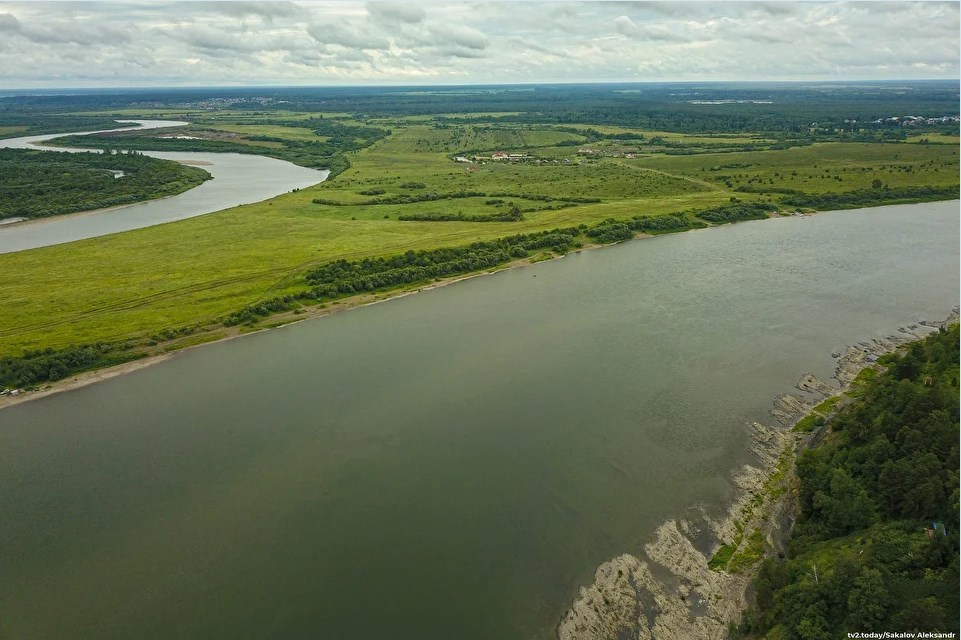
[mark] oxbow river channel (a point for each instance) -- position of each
(451, 464)
(238, 179)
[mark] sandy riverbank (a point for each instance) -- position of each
(668, 591)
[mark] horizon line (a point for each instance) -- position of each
(478, 84)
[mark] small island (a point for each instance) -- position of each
(40, 184)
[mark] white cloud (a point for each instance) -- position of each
(351, 42)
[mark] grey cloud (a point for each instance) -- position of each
(209, 39)
(9, 22)
(461, 52)
(63, 31)
(525, 45)
(775, 8)
(408, 12)
(347, 41)
(767, 37)
(265, 10)
(678, 8)
(347, 37)
(467, 37)
(442, 36)
(627, 27)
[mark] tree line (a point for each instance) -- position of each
(513, 214)
(343, 278)
(48, 365)
(869, 197)
(31, 123)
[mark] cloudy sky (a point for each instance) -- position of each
(344, 42)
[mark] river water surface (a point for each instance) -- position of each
(238, 179)
(446, 465)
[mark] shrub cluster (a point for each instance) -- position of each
(735, 212)
(513, 214)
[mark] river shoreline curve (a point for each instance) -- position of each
(669, 591)
(235, 179)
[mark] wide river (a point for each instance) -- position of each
(238, 179)
(451, 464)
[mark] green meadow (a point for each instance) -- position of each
(196, 271)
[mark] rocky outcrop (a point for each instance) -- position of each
(668, 591)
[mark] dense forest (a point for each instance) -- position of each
(683, 107)
(875, 546)
(38, 184)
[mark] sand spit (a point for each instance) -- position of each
(668, 591)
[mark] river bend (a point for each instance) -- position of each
(237, 179)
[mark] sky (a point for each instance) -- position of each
(345, 42)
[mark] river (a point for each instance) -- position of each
(238, 179)
(451, 464)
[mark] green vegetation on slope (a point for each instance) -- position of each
(876, 543)
(37, 183)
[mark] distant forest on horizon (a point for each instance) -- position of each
(685, 106)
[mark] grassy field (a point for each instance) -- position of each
(822, 167)
(289, 133)
(476, 137)
(683, 138)
(938, 138)
(10, 131)
(197, 270)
